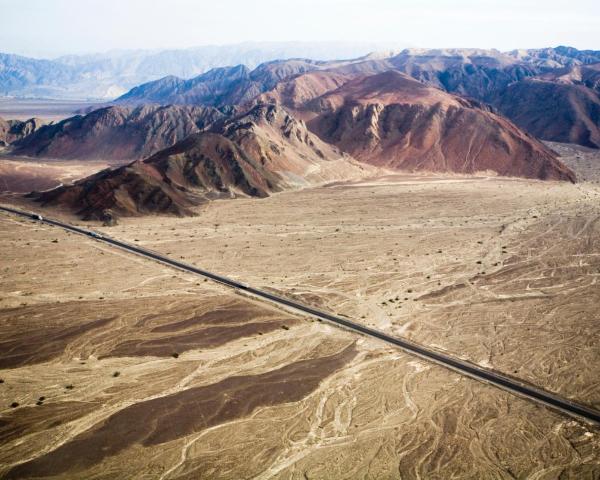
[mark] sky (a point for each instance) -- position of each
(48, 28)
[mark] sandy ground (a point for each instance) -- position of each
(23, 174)
(501, 272)
(146, 372)
(51, 110)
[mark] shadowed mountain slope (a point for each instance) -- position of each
(563, 106)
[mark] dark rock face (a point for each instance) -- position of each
(4, 128)
(117, 133)
(590, 77)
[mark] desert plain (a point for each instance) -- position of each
(137, 370)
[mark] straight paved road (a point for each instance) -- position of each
(465, 368)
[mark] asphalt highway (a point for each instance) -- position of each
(463, 367)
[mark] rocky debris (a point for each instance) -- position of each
(108, 218)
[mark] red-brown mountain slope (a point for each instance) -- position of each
(392, 120)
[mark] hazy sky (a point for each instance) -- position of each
(54, 27)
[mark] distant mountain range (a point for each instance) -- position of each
(105, 76)
(473, 73)
(553, 93)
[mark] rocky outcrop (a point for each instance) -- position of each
(284, 145)
(14, 130)
(4, 132)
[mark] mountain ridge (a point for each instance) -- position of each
(105, 76)
(255, 154)
(392, 120)
(117, 132)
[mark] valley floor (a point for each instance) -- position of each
(501, 272)
(50, 110)
(151, 373)
(23, 174)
